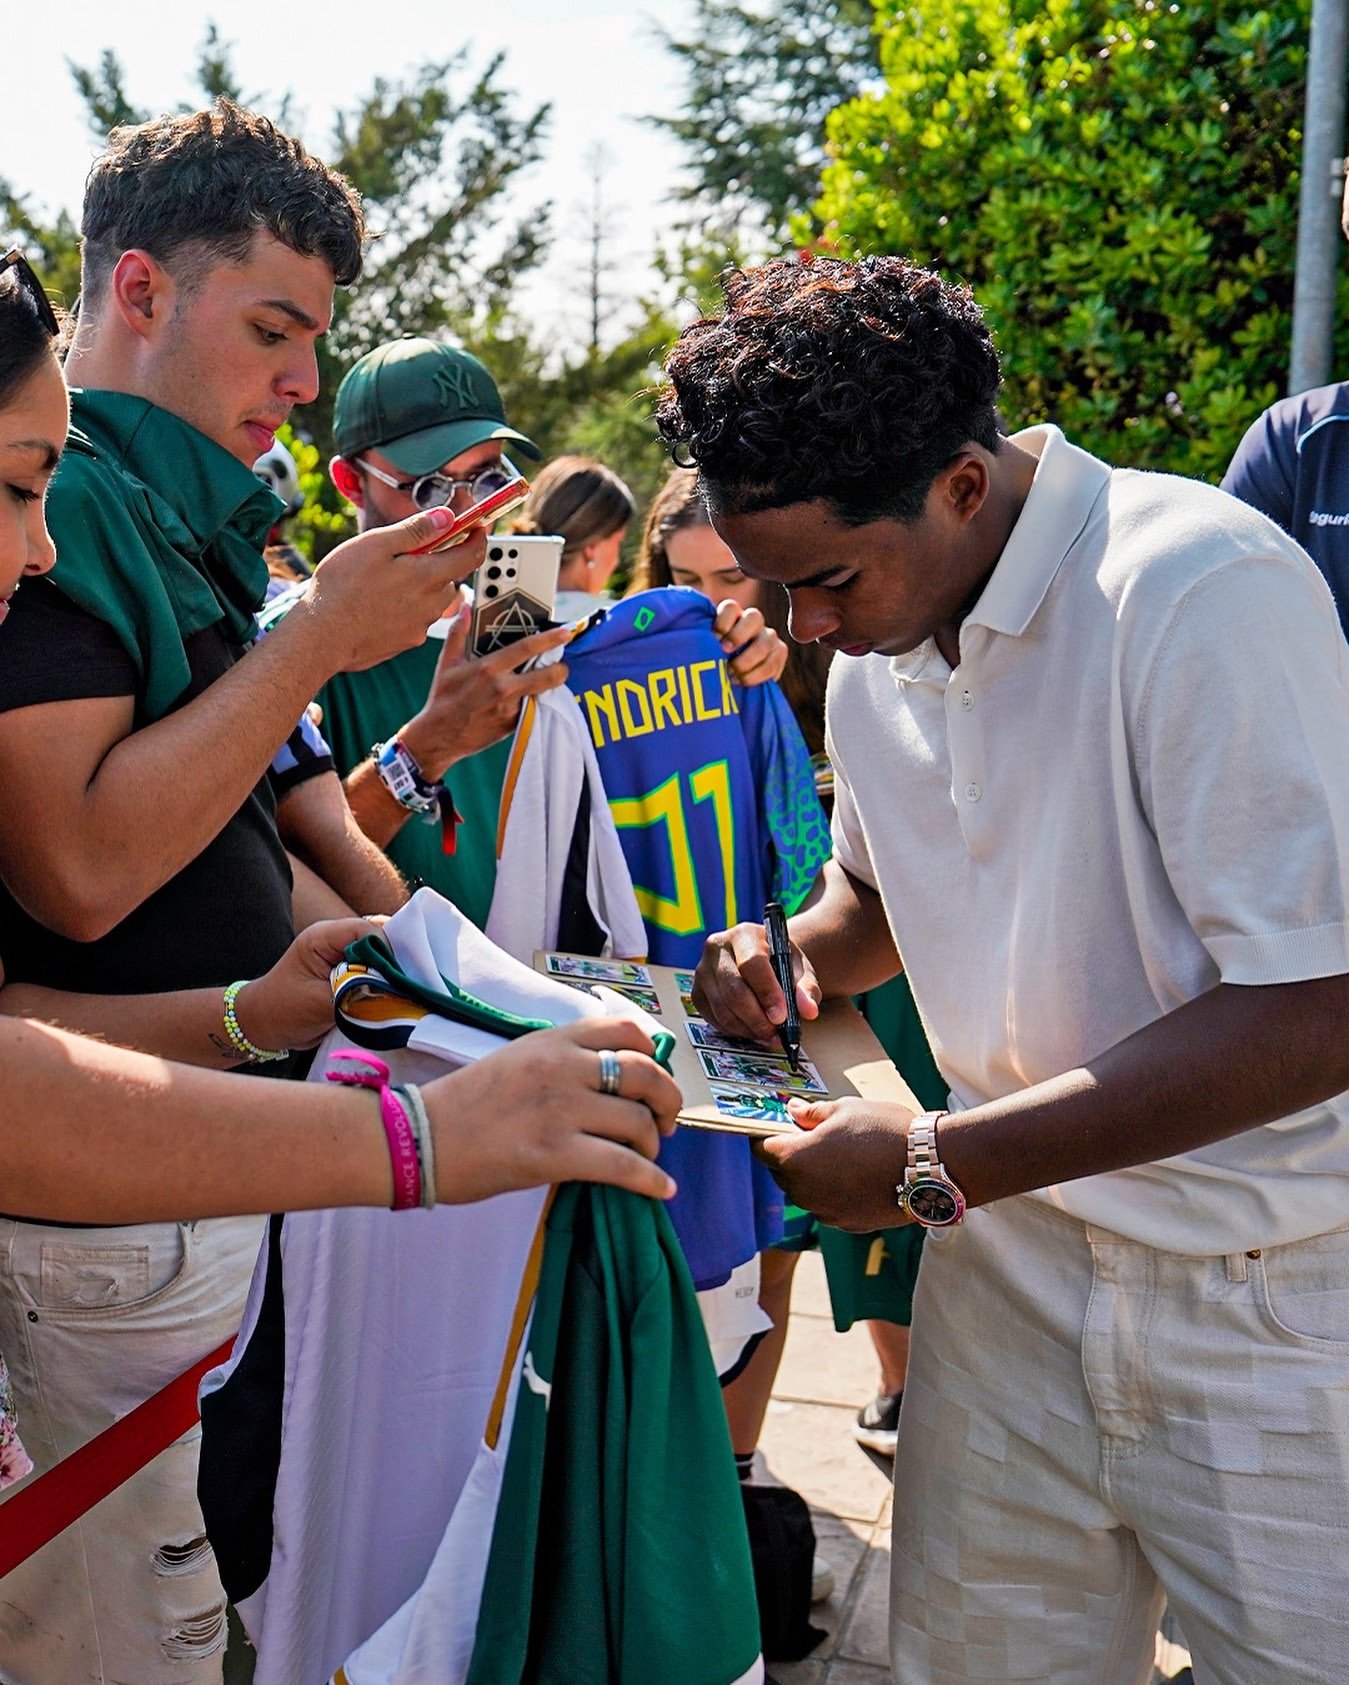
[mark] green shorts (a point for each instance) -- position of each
(872, 1276)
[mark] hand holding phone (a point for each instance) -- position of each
(515, 590)
(490, 509)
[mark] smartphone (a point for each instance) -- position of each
(514, 591)
(492, 508)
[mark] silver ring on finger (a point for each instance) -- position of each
(611, 1072)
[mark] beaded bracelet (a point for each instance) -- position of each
(421, 1130)
(238, 1040)
(398, 1129)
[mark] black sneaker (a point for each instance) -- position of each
(877, 1425)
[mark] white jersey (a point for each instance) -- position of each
(559, 859)
(399, 1331)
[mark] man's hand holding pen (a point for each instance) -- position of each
(738, 988)
(849, 1155)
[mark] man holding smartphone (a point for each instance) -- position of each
(138, 842)
(420, 425)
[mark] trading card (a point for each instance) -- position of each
(647, 999)
(760, 1071)
(703, 1034)
(754, 1107)
(684, 983)
(625, 974)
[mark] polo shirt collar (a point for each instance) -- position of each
(1063, 494)
(1067, 484)
(207, 489)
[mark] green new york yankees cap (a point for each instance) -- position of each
(420, 403)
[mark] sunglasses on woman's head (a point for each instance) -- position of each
(27, 279)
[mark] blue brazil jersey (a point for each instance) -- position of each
(711, 788)
(710, 784)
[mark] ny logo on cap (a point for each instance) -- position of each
(455, 387)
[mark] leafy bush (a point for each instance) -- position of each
(1117, 180)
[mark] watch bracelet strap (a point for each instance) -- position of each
(923, 1158)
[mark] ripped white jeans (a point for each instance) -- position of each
(92, 1322)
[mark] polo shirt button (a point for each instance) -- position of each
(973, 792)
(966, 700)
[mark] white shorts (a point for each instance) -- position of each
(92, 1322)
(1091, 1426)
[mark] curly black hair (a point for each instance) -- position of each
(852, 382)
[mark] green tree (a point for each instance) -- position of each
(52, 245)
(435, 157)
(102, 87)
(760, 81)
(1117, 180)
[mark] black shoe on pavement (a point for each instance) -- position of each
(877, 1425)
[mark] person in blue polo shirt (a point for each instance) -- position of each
(1293, 465)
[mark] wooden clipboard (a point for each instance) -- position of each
(839, 1044)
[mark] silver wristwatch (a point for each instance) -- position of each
(927, 1193)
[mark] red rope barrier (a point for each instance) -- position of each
(48, 1505)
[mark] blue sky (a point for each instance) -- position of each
(597, 61)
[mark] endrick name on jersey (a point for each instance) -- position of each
(667, 696)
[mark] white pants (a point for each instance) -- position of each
(1090, 1426)
(92, 1322)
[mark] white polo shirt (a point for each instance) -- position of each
(1135, 785)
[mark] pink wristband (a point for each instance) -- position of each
(407, 1175)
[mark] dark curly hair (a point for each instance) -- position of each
(192, 190)
(852, 382)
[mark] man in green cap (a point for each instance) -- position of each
(420, 425)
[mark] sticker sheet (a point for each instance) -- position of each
(617, 974)
(647, 999)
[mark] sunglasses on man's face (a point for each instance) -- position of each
(435, 491)
(27, 279)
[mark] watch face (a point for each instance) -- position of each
(932, 1203)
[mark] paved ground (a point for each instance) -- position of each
(808, 1444)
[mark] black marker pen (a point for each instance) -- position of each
(780, 956)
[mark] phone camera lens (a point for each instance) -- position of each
(494, 573)
(491, 591)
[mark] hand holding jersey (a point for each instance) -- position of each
(754, 651)
(291, 1005)
(554, 1121)
(317, 1565)
(475, 703)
